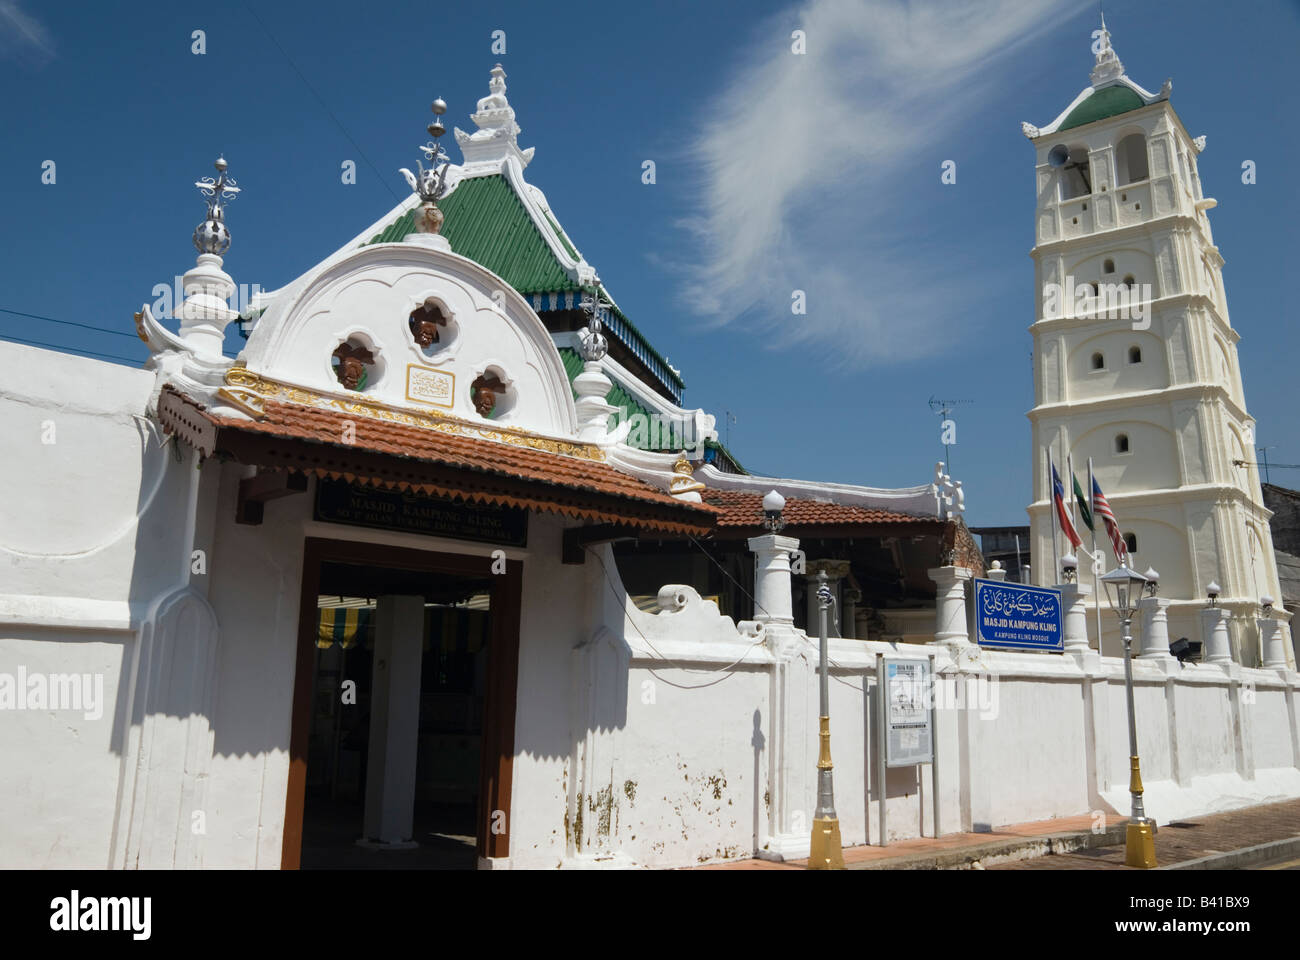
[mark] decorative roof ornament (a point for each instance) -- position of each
(1108, 66)
(497, 136)
(431, 184)
(683, 485)
(594, 346)
(211, 236)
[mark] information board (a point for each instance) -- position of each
(909, 688)
(1018, 617)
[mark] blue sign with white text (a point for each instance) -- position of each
(1018, 616)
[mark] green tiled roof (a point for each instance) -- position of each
(1103, 103)
(486, 222)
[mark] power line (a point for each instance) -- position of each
(74, 323)
(71, 323)
(324, 106)
(55, 346)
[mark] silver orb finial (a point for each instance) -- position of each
(594, 346)
(212, 235)
(431, 184)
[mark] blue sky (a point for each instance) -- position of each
(773, 173)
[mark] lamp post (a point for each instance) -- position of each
(1123, 590)
(825, 852)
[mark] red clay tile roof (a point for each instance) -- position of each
(743, 509)
(430, 461)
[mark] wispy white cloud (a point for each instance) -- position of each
(22, 36)
(881, 86)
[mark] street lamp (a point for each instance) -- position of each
(825, 851)
(1153, 581)
(1212, 591)
(1124, 590)
(1069, 567)
(773, 504)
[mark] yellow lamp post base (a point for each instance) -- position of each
(826, 853)
(1140, 845)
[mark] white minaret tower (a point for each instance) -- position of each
(1135, 359)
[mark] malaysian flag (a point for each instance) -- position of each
(1062, 516)
(1102, 509)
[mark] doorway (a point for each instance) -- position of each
(404, 701)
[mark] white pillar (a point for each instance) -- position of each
(849, 617)
(394, 720)
(950, 604)
(773, 601)
(1214, 635)
(836, 570)
(592, 386)
(1074, 606)
(996, 572)
(1155, 629)
(1273, 640)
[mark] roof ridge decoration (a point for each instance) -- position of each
(497, 137)
(431, 184)
(1108, 66)
(1118, 92)
(194, 355)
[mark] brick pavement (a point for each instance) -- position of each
(1186, 840)
(906, 849)
(1175, 842)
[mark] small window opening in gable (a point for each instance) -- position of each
(1134, 354)
(1121, 443)
(1098, 362)
(1131, 542)
(1108, 266)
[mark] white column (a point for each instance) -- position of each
(1273, 640)
(996, 572)
(1214, 635)
(592, 386)
(950, 604)
(849, 616)
(1155, 629)
(1074, 605)
(773, 602)
(836, 570)
(394, 720)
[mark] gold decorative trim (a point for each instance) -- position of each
(248, 388)
(139, 326)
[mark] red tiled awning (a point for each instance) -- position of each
(430, 462)
(742, 515)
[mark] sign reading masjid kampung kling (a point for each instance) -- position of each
(1017, 616)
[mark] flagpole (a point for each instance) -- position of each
(1051, 499)
(1096, 582)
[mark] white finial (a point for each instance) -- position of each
(1108, 66)
(497, 136)
(205, 313)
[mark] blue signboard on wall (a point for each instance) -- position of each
(1018, 617)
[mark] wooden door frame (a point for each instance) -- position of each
(497, 751)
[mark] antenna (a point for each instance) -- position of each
(943, 409)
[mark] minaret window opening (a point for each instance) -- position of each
(1108, 267)
(1131, 159)
(1098, 362)
(1131, 542)
(1134, 354)
(1075, 181)
(1121, 443)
